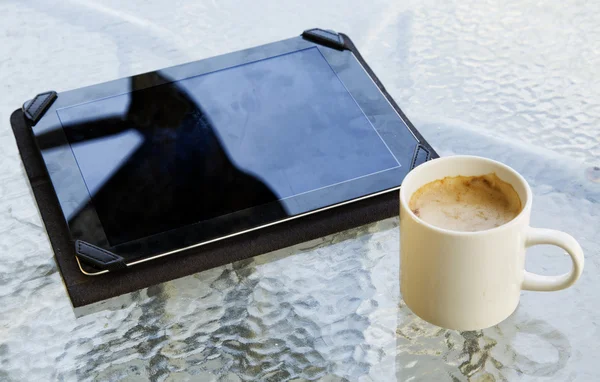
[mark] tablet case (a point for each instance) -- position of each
(84, 289)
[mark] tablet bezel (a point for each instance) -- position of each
(394, 129)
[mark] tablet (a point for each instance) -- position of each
(151, 165)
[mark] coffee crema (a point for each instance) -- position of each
(466, 203)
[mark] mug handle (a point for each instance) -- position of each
(537, 236)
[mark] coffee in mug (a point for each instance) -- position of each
(466, 203)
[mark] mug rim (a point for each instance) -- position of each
(507, 225)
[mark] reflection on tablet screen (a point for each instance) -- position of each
(171, 155)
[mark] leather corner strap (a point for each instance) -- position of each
(324, 37)
(98, 257)
(420, 156)
(35, 109)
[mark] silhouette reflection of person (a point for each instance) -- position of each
(180, 173)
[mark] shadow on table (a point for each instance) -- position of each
(503, 352)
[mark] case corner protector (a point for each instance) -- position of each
(324, 37)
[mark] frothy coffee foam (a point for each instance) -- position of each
(466, 203)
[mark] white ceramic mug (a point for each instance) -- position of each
(472, 280)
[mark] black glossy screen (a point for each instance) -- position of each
(188, 151)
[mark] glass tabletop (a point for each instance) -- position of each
(513, 81)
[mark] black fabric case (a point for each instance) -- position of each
(84, 289)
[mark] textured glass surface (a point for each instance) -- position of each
(514, 81)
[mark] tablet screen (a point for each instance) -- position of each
(171, 155)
